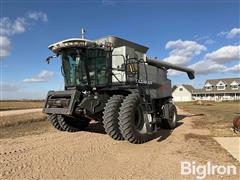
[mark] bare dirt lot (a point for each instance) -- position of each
(216, 116)
(37, 151)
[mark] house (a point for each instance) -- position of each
(183, 93)
(219, 90)
(227, 89)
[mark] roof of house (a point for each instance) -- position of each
(214, 82)
(225, 80)
(190, 88)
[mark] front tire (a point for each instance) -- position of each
(72, 124)
(110, 117)
(53, 118)
(131, 120)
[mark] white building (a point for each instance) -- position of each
(227, 89)
(183, 93)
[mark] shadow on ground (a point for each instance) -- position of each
(161, 135)
(182, 116)
(96, 127)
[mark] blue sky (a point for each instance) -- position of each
(204, 35)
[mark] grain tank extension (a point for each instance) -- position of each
(111, 80)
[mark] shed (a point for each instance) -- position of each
(183, 93)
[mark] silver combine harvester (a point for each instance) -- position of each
(111, 80)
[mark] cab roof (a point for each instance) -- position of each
(79, 42)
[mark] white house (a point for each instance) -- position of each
(227, 89)
(183, 93)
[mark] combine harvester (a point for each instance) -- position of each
(112, 81)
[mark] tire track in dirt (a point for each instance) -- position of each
(51, 151)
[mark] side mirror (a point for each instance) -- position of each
(50, 57)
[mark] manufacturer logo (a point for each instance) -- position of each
(139, 81)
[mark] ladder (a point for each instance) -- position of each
(132, 72)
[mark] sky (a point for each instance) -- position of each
(200, 34)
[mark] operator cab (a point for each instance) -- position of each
(84, 63)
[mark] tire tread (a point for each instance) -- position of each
(110, 117)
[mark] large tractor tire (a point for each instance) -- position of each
(54, 121)
(131, 120)
(72, 124)
(170, 116)
(110, 117)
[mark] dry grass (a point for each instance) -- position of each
(218, 117)
(15, 120)
(20, 130)
(14, 105)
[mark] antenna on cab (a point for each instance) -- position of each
(82, 33)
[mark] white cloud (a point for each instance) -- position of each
(224, 54)
(215, 61)
(207, 66)
(212, 62)
(19, 25)
(5, 46)
(235, 68)
(234, 32)
(182, 51)
(43, 76)
(175, 59)
(209, 42)
(205, 39)
(37, 16)
(10, 27)
(230, 34)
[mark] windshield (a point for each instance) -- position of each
(82, 67)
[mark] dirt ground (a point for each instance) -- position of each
(45, 153)
(216, 116)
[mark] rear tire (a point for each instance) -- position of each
(170, 114)
(72, 124)
(131, 120)
(110, 117)
(54, 121)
